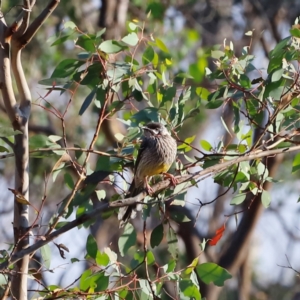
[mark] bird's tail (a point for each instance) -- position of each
(129, 212)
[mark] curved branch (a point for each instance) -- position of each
(38, 22)
(5, 77)
(25, 95)
(124, 202)
(27, 7)
(83, 218)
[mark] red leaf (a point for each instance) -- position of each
(217, 237)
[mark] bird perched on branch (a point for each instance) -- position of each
(156, 155)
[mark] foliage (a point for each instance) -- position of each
(146, 88)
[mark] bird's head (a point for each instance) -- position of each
(154, 129)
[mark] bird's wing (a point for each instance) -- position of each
(133, 190)
(140, 153)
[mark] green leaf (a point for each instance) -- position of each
(103, 164)
(85, 280)
(102, 259)
(138, 258)
(90, 76)
(66, 68)
(148, 55)
(54, 138)
(238, 199)
(217, 54)
(52, 287)
(185, 146)
(277, 54)
(225, 125)
(170, 266)
(191, 266)
(8, 131)
(245, 81)
(160, 44)
(87, 101)
(87, 42)
(189, 289)
(276, 75)
(127, 239)
(168, 93)
(69, 34)
(295, 32)
(145, 289)
(150, 258)
(211, 161)
(97, 281)
(38, 141)
(3, 280)
(100, 97)
(111, 47)
(131, 39)
(61, 224)
(179, 200)
(205, 145)
(111, 254)
(296, 163)
(146, 115)
(265, 198)
(3, 149)
(70, 24)
(157, 9)
(69, 180)
(214, 104)
(91, 246)
(46, 255)
(211, 272)
(262, 170)
(101, 281)
(195, 71)
(100, 32)
(190, 139)
(172, 242)
(132, 26)
(157, 235)
(61, 39)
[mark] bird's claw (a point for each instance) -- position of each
(174, 181)
(149, 189)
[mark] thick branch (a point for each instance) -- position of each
(5, 76)
(137, 199)
(28, 5)
(83, 218)
(24, 91)
(38, 22)
(124, 202)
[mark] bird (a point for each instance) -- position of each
(156, 155)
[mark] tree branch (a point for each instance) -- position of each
(25, 95)
(38, 22)
(5, 77)
(83, 218)
(125, 202)
(28, 5)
